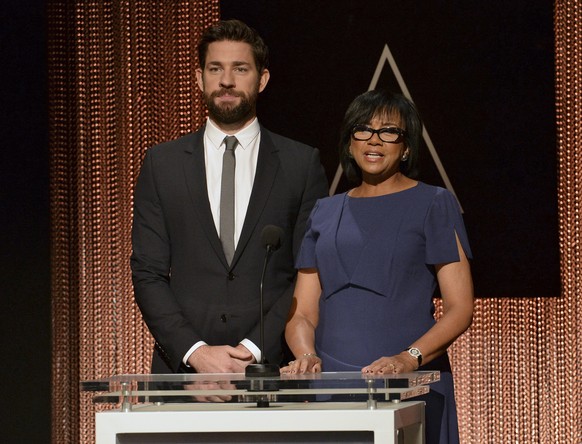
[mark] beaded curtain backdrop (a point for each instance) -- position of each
(121, 80)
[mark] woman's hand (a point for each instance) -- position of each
(307, 363)
(302, 322)
(401, 363)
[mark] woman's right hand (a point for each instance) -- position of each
(306, 363)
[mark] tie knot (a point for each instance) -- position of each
(230, 142)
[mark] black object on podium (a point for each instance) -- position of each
(271, 238)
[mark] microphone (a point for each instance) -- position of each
(271, 239)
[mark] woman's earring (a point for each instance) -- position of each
(404, 157)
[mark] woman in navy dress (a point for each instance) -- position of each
(371, 260)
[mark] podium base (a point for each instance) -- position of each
(262, 371)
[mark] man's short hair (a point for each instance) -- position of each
(235, 31)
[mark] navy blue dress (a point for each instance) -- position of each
(375, 258)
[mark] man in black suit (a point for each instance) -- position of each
(200, 304)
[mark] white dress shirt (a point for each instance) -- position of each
(246, 153)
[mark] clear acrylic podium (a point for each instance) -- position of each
(346, 407)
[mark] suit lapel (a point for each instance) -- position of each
(195, 175)
(267, 167)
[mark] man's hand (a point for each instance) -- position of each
(211, 385)
(220, 359)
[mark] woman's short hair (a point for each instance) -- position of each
(379, 103)
(235, 31)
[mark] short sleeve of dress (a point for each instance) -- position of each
(306, 256)
(443, 220)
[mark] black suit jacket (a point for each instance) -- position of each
(183, 285)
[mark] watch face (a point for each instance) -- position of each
(414, 352)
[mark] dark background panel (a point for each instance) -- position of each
(481, 75)
(24, 224)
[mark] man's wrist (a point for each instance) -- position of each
(250, 346)
(191, 351)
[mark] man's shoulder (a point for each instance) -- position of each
(284, 142)
(185, 142)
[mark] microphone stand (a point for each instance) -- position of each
(262, 369)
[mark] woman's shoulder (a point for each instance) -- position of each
(439, 200)
(332, 200)
(434, 192)
(329, 203)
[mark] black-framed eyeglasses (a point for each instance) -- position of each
(390, 134)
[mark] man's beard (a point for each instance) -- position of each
(229, 114)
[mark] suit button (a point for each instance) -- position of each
(223, 317)
(231, 276)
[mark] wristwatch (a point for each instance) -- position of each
(415, 353)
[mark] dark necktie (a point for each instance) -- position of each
(227, 198)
